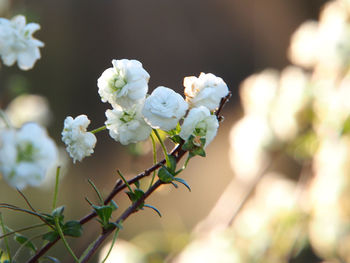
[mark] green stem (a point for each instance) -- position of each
(154, 158)
(97, 191)
(24, 244)
(21, 230)
(60, 232)
(5, 239)
(163, 147)
(56, 188)
(99, 129)
(111, 247)
(125, 181)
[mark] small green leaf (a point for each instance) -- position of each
(188, 145)
(58, 212)
(183, 182)
(137, 184)
(119, 226)
(135, 196)
(72, 228)
(165, 176)
(51, 236)
(24, 240)
(113, 205)
(172, 167)
(155, 209)
(104, 213)
(199, 151)
(176, 139)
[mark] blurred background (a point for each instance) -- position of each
(173, 39)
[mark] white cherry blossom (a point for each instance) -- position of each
(201, 124)
(17, 42)
(164, 108)
(127, 126)
(26, 155)
(123, 85)
(206, 90)
(79, 142)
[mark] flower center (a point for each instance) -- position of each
(201, 129)
(127, 116)
(117, 82)
(25, 152)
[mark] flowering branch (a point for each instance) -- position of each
(177, 152)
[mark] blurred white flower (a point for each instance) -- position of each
(122, 252)
(26, 155)
(206, 90)
(125, 84)
(304, 45)
(258, 92)
(79, 142)
(29, 108)
(248, 139)
(201, 124)
(17, 42)
(127, 126)
(293, 95)
(164, 108)
(217, 247)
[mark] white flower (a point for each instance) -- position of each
(123, 85)
(164, 108)
(201, 124)
(26, 155)
(79, 142)
(206, 90)
(127, 126)
(17, 42)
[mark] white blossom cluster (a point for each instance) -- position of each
(134, 113)
(26, 155)
(17, 42)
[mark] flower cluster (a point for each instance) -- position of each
(134, 113)
(80, 143)
(302, 112)
(17, 42)
(26, 155)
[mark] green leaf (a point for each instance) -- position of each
(175, 185)
(137, 184)
(183, 182)
(24, 240)
(172, 167)
(58, 212)
(104, 213)
(165, 176)
(135, 196)
(113, 205)
(155, 209)
(50, 236)
(176, 139)
(188, 145)
(119, 226)
(199, 151)
(72, 228)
